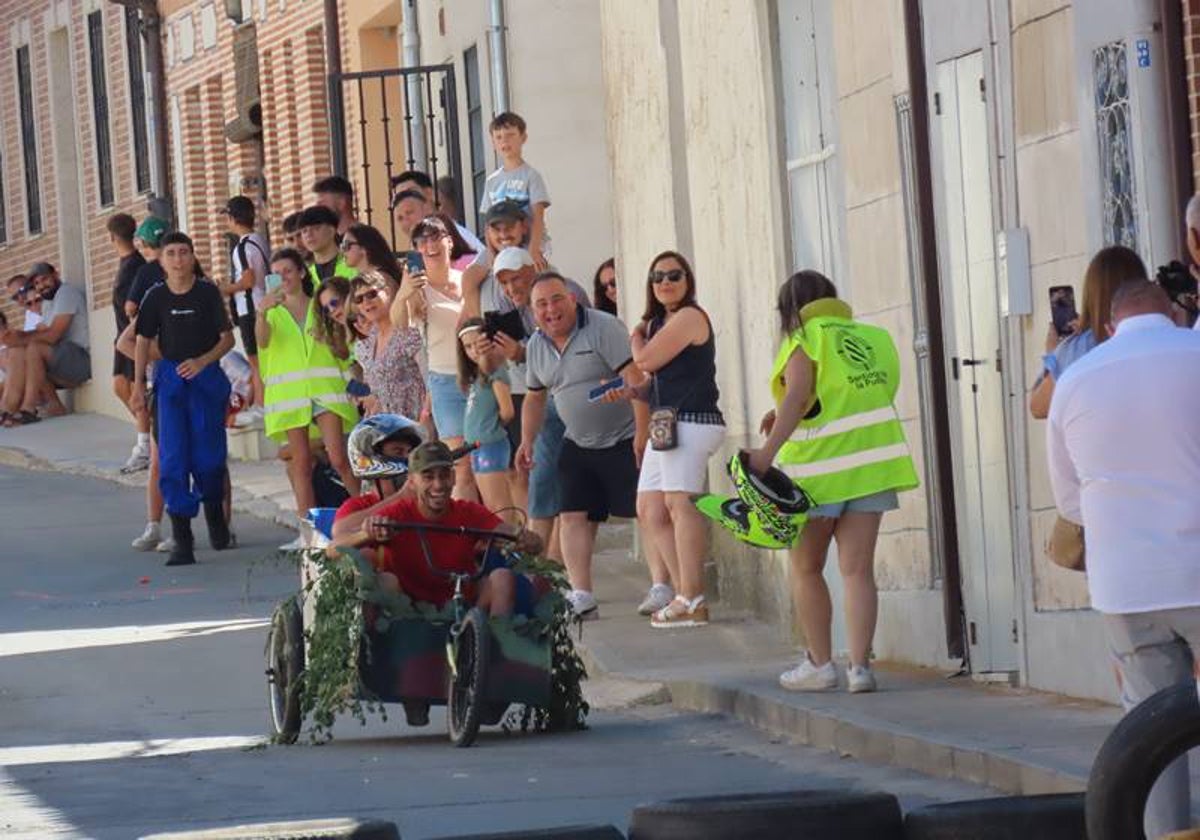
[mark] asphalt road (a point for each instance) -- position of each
(132, 700)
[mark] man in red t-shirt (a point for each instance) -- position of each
(431, 475)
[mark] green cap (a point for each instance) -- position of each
(429, 456)
(151, 231)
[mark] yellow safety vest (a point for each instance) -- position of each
(851, 443)
(298, 370)
(340, 269)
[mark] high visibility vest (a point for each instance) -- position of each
(297, 370)
(340, 269)
(850, 444)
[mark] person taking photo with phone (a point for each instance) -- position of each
(303, 379)
(1109, 268)
(389, 354)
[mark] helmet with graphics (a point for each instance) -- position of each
(365, 445)
(778, 505)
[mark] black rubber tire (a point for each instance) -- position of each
(567, 832)
(464, 694)
(802, 814)
(1054, 817)
(285, 664)
(1134, 755)
(331, 829)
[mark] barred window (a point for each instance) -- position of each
(137, 100)
(475, 130)
(95, 30)
(1110, 80)
(33, 193)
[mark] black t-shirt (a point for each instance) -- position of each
(325, 270)
(126, 272)
(187, 325)
(148, 276)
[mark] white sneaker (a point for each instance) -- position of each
(659, 596)
(139, 459)
(149, 538)
(249, 418)
(860, 679)
(808, 677)
(166, 546)
(295, 545)
(584, 604)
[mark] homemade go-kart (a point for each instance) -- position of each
(476, 665)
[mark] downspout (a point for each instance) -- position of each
(333, 67)
(414, 105)
(498, 39)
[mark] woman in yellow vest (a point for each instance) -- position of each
(836, 433)
(303, 378)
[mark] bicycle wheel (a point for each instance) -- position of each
(464, 697)
(285, 662)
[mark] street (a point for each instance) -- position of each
(132, 700)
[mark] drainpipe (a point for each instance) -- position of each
(498, 39)
(150, 29)
(333, 66)
(414, 97)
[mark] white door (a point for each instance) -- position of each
(973, 341)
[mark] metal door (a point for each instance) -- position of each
(973, 343)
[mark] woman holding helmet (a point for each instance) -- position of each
(838, 436)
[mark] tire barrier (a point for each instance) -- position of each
(797, 815)
(1134, 755)
(568, 832)
(1052, 817)
(331, 829)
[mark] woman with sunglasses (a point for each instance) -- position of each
(604, 287)
(388, 353)
(302, 377)
(674, 345)
(366, 250)
(433, 300)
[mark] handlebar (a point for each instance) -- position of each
(457, 530)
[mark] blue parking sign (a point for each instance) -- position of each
(1143, 53)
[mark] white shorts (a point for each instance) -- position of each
(683, 469)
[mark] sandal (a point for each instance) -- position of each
(21, 418)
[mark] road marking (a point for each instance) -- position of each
(49, 641)
(115, 750)
(22, 814)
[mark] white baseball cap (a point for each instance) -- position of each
(511, 259)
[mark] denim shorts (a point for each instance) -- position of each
(875, 503)
(449, 404)
(545, 492)
(491, 457)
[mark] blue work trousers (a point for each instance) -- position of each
(191, 437)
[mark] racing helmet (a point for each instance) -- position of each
(363, 446)
(776, 502)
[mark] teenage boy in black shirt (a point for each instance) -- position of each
(121, 228)
(188, 317)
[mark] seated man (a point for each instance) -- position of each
(54, 354)
(431, 472)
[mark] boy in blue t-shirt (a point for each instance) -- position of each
(518, 182)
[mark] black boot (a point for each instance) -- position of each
(181, 530)
(218, 528)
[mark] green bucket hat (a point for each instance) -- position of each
(151, 231)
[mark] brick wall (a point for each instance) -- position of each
(19, 18)
(295, 144)
(1191, 49)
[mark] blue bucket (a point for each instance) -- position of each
(322, 520)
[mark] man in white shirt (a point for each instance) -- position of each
(1124, 450)
(250, 259)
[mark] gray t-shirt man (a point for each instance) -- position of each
(69, 300)
(595, 352)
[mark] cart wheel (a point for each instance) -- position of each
(285, 663)
(464, 698)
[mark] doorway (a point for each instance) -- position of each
(68, 177)
(973, 354)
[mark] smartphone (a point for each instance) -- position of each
(1062, 310)
(509, 323)
(273, 282)
(414, 262)
(357, 388)
(599, 391)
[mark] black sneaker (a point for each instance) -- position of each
(181, 531)
(181, 555)
(218, 529)
(416, 713)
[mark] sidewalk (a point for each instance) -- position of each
(1014, 740)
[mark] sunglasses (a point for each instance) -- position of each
(611, 284)
(347, 244)
(371, 294)
(332, 304)
(672, 276)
